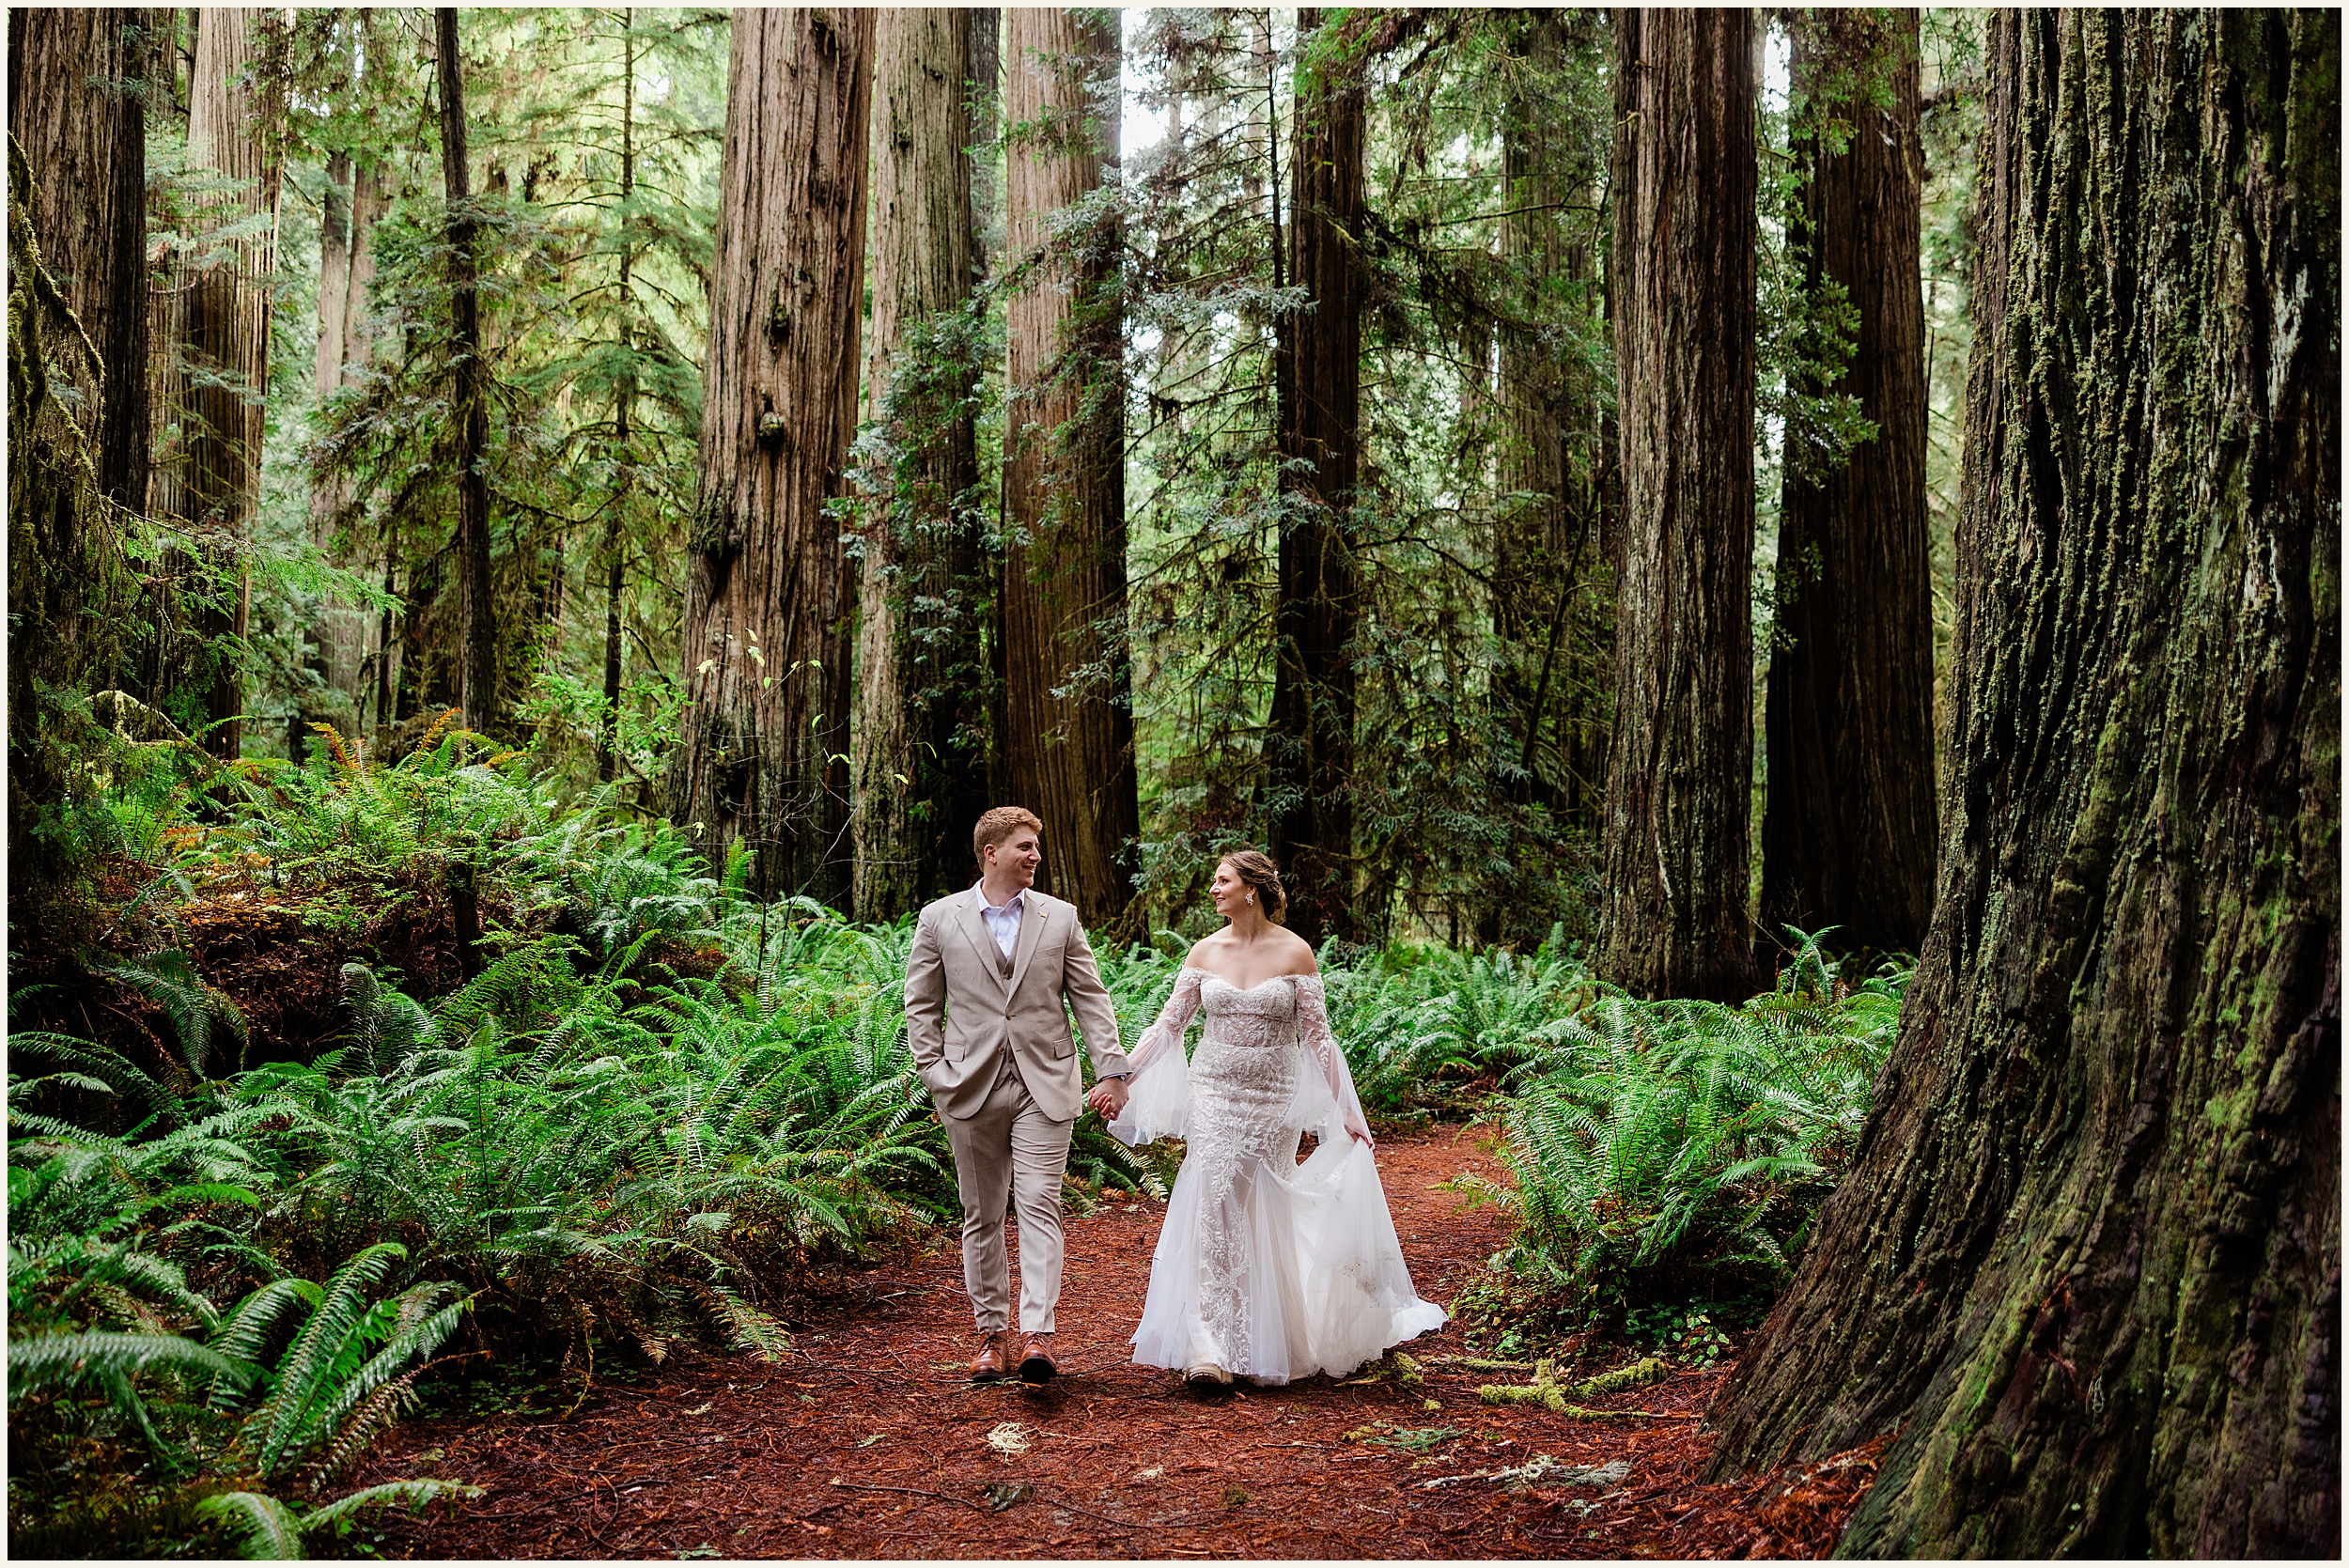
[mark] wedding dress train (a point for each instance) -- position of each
(1266, 1268)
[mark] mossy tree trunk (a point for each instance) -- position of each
(1309, 743)
(2087, 1262)
(920, 754)
(764, 754)
(1675, 844)
(1068, 725)
(77, 80)
(1847, 829)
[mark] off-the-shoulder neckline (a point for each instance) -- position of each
(1211, 975)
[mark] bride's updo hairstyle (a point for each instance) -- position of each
(1255, 868)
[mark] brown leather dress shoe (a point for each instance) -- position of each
(1036, 1360)
(987, 1366)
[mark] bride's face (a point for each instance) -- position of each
(1229, 893)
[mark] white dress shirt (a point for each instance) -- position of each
(1003, 924)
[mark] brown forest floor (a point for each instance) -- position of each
(868, 1440)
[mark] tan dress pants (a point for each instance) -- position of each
(1010, 1149)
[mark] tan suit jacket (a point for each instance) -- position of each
(962, 1015)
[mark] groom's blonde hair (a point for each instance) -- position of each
(998, 823)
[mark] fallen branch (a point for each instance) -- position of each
(911, 1492)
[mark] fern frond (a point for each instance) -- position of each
(270, 1530)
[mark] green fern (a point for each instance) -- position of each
(199, 1013)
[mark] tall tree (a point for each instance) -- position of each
(1676, 848)
(478, 666)
(77, 108)
(1549, 609)
(218, 367)
(1848, 828)
(1318, 374)
(2087, 1261)
(1068, 740)
(77, 400)
(920, 720)
(614, 553)
(766, 649)
(353, 200)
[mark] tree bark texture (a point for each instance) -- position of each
(1068, 730)
(1676, 848)
(220, 313)
(1309, 745)
(76, 106)
(1848, 833)
(2087, 1261)
(920, 720)
(470, 396)
(764, 759)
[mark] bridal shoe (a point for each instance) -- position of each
(1206, 1374)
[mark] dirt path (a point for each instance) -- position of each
(868, 1441)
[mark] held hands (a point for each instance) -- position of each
(1107, 1098)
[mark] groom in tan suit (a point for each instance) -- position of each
(992, 966)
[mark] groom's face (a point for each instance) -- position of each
(1014, 860)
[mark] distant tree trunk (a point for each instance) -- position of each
(920, 751)
(985, 58)
(1068, 735)
(1675, 850)
(1848, 836)
(2087, 1260)
(766, 639)
(613, 555)
(354, 198)
(478, 677)
(1310, 744)
(1531, 537)
(220, 313)
(87, 149)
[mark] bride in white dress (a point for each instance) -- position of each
(1266, 1269)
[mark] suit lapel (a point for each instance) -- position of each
(974, 932)
(1031, 933)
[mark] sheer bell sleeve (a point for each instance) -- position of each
(1321, 1047)
(1157, 1095)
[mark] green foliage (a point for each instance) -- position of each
(1674, 1141)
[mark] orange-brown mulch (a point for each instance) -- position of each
(869, 1441)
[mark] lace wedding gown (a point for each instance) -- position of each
(1265, 1267)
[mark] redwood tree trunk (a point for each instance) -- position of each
(220, 314)
(76, 106)
(2087, 1262)
(920, 758)
(1847, 830)
(478, 670)
(1068, 729)
(766, 637)
(1308, 747)
(1680, 763)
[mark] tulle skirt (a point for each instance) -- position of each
(1268, 1268)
